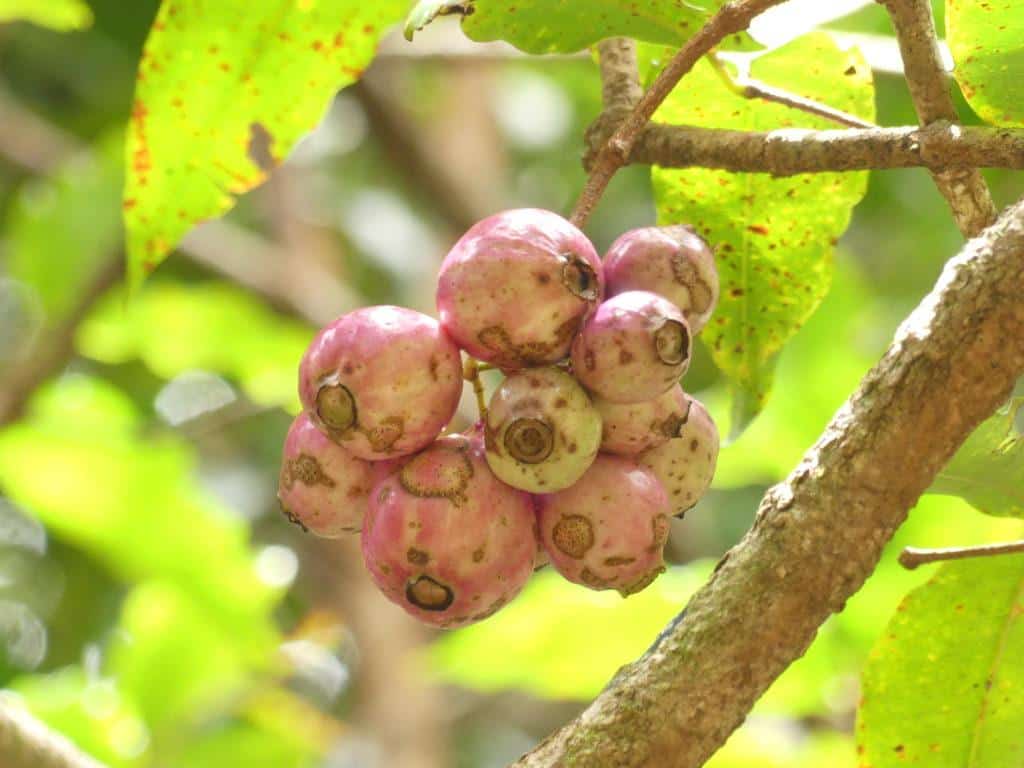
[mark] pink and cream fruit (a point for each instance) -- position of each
(542, 430)
(515, 288)
(381, 381)
(636, 427)
(685, 465)
(322, 487)
(445, 539)
(673, 262)
(633, 348)
(609, 530)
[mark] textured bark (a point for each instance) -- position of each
(26, 743)
(790, 151)
(819, 534)
(964, 188)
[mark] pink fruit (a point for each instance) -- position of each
(445, 539)
(542, 430)
(515, 288)
(633, 348)
(685, 465)
(381, 381)
(673, 262)
(631, 429)
(609, 530)
(322, 487)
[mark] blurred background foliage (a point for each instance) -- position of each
(156, 607)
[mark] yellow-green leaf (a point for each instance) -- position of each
(224, 90)
(61, 15)
(773, 236)
(986, 38)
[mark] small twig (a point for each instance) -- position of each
(911, 557)
(471, 373)
(731, 19)
(963, 187)
(743, 85)
(27, 743)
(620, 78)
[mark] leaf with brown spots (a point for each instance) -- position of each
(942, 685)
(986, 38)
(223, 92)
(773, 237)
(564, 26)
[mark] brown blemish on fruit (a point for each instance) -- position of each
(561, 402)
(685, 273)
(356, 491)
(625, 356)
(592, 580)
(531, 353)
(659, 531)
(417, 556)
(694, 445)
(433, 367)
(613, 561)
(492, 609)
(543, 278)
(672, 342)
(579, 277)
(573, 535)
(671, 426)
(429, 594)
(449, 481)
(384, 494)
(588, 359)
(304, 469)
(385, 568)
(478, 555)
(529, 440)
(336, 407)
(643, 582)
(382, 438)
(292, 517)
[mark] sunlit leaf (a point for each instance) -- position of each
(773, 236)
(986, 38)
(243, 744)
(224, 91)
(988, 470)
(61, 15)
(62, 228)
(942, 685)
(778, 743)
(554, 639)
(537, 26)
(175, 327)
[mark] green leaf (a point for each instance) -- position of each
(942, 685)
(224, 90)
(773, 236)
(988, 470)
(544, 642)
(565, 26)
(986, 38)
(61, 229)
(61, 15)
(175, 327)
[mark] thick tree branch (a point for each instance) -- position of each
(27, 743)
(819, 534)
(732, 18)
(789, 151)
(962, 186)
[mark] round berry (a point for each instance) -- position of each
(685, 465)
(322, 487)
(515, 288)
(629, 429)
(633, 348)
(673, 262)
(381, 381)
(609, 530)
(542, 430)
(445, 539)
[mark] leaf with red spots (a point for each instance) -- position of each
(224, 90)
(61, 15)
(564, 26)
(941, 687)
(773, 237)
(986, 38)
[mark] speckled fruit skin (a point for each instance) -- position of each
(322, 487)
(673, 262)
(445, 539)
(609, 530)
(633, 348)
(637, 427)
(542, 430)
(516, 287)
(381, 381)
(685, 465)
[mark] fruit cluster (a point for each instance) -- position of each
(585, 450)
